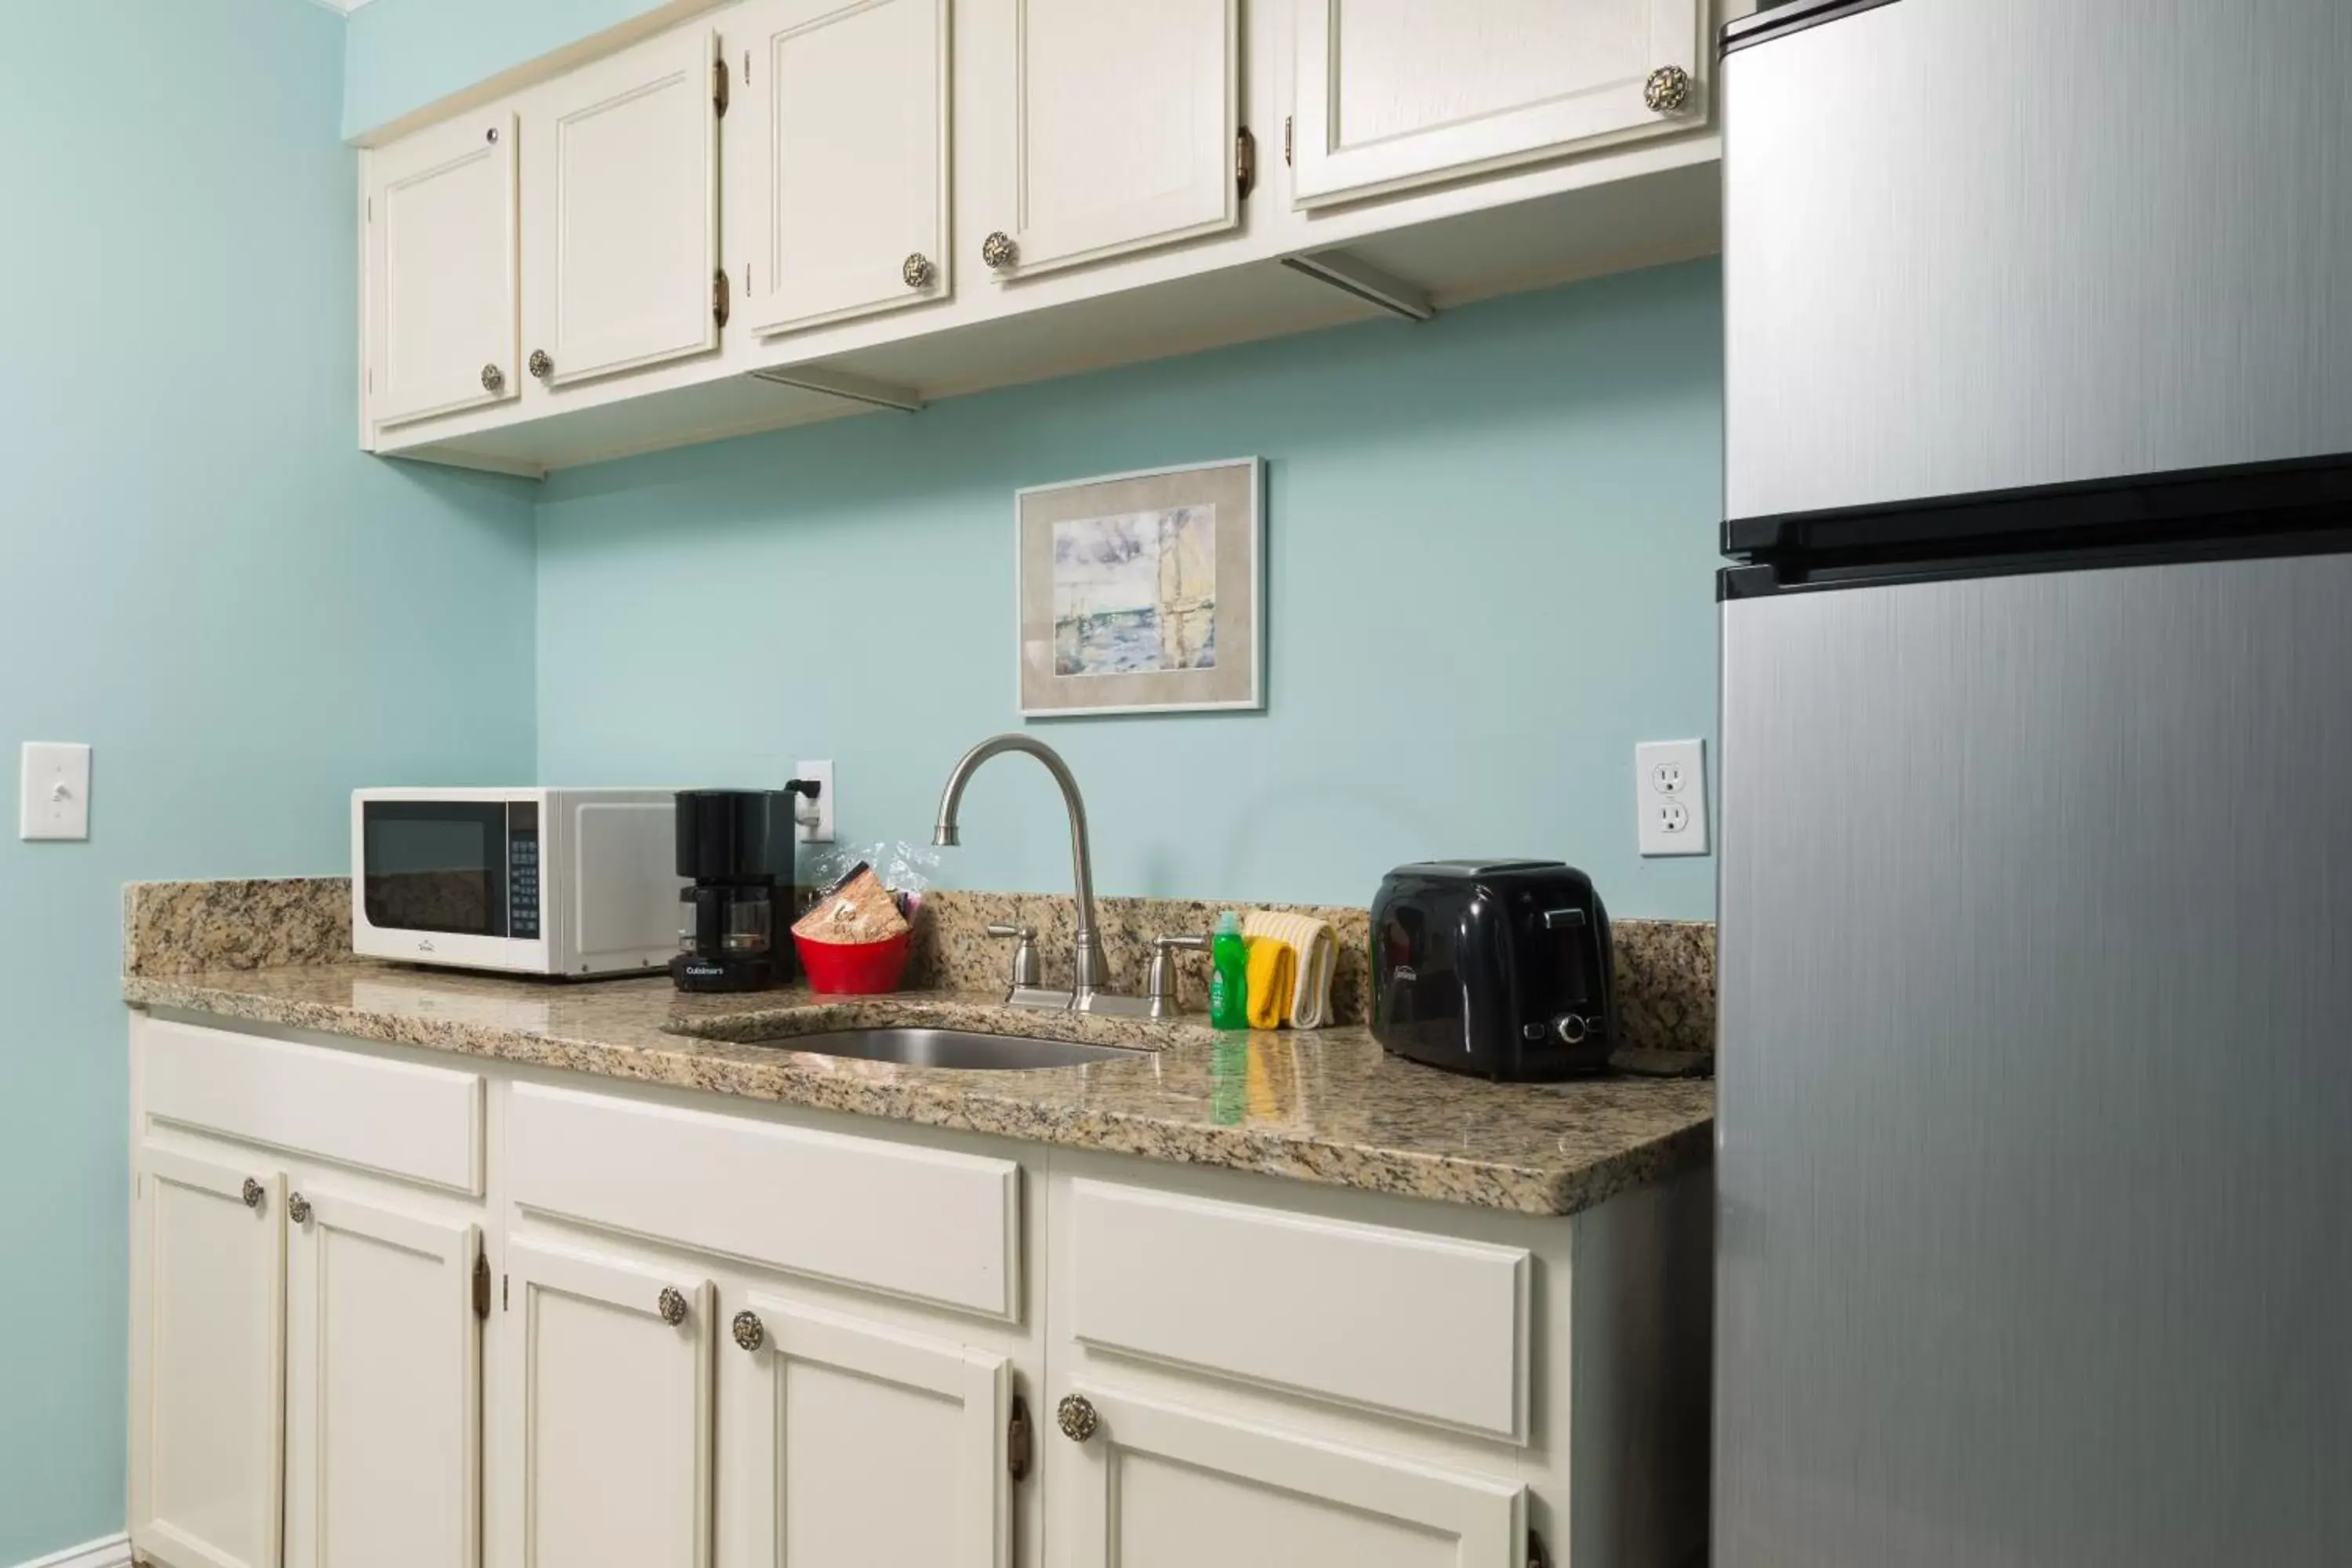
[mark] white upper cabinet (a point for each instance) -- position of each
(208, 1361)
(1109, 127)
(607, 1415)
(841, 154)
(442, 271)
(620, 202)
(851, 1442)
(382, 1387)
(1395, 93)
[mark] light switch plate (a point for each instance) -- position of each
(53, 794)
(1670, 790)
(821, 831)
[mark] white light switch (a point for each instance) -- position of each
(53, 800)
(821, 830)
(1670, 787)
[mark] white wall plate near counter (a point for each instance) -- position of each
(53, 800)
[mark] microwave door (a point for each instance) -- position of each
(438, 866)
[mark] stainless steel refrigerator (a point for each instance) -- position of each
(2035, 1144)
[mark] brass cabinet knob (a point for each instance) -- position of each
(493, 378)
(297, 1209)
(749, 1332)
(671, 1306)
(998, 250)
(917, 270)
(540, 365)
(252, 1194)
(1076, 1417)
(1668, 90)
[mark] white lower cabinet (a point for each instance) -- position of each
(1158, 1485)
(208, 1361)
(382, 1386)
(851, 1442)
(606, 1444)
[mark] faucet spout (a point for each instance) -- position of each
(1087, 976)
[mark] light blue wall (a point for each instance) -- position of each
(1491, 543)
(200, 575)
(401, 55)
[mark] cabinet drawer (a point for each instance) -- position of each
(1417, 1326)
(919, 1223)
(423, 1123)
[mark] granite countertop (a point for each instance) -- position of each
(1323, 1106)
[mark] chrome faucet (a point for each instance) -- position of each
(1087, 973)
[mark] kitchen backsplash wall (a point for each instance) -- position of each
(1491, 542)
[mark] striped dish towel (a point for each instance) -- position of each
(1319, 956)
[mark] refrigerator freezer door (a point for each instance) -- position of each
(1976, 245)
(2035, 1145)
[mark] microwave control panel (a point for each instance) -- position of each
(523, 870)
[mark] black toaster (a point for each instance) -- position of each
(1496, 967)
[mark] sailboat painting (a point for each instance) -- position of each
(1136, 592)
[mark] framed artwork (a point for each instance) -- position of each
(1143, 592)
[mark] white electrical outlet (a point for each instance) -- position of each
(53, 800)
(821, 830)
(1670, 792)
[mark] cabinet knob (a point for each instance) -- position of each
(671, 1306)
(917, 270)
(998, 250)
(297, 1209)
(540, 365)
(1668, 90)
(749, 1332)
(251, 1193)
(493, 378)
(1076, 1417)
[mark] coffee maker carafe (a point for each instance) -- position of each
(730, 841)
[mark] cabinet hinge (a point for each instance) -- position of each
(371, 209)
(1019, 1441)
(719, 87)
(1537, 1556)
(481, 1284)
(1244, 161)
(1289, 138)
(502, 1292)
(718, 296)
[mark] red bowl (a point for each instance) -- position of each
(854, 968)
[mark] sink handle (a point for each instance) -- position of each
(1025, 968)
(1160, 990)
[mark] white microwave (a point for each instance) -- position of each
(561, 882)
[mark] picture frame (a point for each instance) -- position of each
(1142, 592)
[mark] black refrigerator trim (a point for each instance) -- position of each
(2298, 507)
(1791, 16)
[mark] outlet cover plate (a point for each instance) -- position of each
(821, 832)
(1670, 793)
(53, 796)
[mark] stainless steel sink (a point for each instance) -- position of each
(952, 1048)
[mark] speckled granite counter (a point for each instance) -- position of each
(1325, 1107)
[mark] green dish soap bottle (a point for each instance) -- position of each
(1229, 974)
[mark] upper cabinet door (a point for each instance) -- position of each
(441, 270)
(1111, 127)
(849, 1442)
(607, 1425)
(1396, 93)
(382, 1388)
(842, 141)
(621, 211)
(1134, 1483)
(208, 1363)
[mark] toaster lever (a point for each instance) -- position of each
(1563, 920)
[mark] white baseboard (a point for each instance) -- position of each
(107, 1551)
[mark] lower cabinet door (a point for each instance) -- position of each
(848, 1443)
(207, 1428)
(382, 1387)
(1134, 1483)
(607, 1441)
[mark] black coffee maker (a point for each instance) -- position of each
(732, 843)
